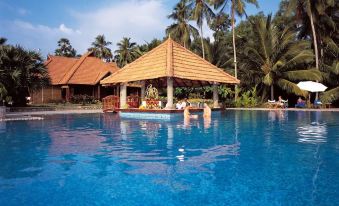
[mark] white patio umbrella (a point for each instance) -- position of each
(312, 86)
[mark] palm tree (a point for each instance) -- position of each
(237, 7)
(148, 46)
(21, 72)
(332, 78)
(127, 52)
(181, 30)
(309, 8)
(100, 48)
(200, 12)
(2, 41)
(277, 58)
(65, 48)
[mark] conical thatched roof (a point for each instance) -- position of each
(170, 59)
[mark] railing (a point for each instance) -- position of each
(110, 103)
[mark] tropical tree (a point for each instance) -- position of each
(65, 48)
(332, 77)
(276, 58)
(237, 7)
(309, 12)
(2, 41)
(201, 11)
(100, 48)
(21, 71)
(181, 30)
(127, 52)
(148, 46)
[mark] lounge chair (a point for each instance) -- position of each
(271, 103)
(317, 103)
(301, 104)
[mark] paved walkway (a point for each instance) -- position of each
(287, 109)
(14, 114)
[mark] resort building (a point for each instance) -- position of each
(168, 66)
(74, 76)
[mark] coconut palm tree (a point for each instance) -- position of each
(237, 7)
(277, 58)
(309, 9)
(127, 52)
(332, 78)
(65, 48)
(181, 30)
(201, 11)
(100, 48)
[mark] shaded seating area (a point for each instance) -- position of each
(166, 67)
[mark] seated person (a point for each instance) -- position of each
(181, 104)
(300, 103)
(187, 114)
(178, 105)
(281, 103)
(207, 111)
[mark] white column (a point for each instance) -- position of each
(215, 96)
(142, 95)
(169, 93)
(123, 94)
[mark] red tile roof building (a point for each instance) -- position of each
(74, 76)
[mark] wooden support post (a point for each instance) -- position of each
(169, 93)
(123, 94)
(215, 96)
(142, 95)
(99, 92)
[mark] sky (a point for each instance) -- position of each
(39, 24)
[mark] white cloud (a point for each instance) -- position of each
(142, 20)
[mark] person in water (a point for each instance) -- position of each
(187, 114)
(207, 111)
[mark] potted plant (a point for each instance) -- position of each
(152, 97)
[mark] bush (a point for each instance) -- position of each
(248, 98)
(82, 99)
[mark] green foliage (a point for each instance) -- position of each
(276, 58)
(181, 30)
(82, 99)
(65, 48)
(127, 52)
(100, 48)
(248, 98)
(21, 71)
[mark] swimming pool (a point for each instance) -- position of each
(237, 158)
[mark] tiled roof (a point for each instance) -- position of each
(170, 59)
(87, 70)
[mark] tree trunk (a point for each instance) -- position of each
(272, 92)
(315, 47)
(202, 43)
(234, 52)
(315, 43)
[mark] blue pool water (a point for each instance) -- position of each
(237, 158)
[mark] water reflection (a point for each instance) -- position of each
(314, 132)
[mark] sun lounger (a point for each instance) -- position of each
(317, 104)
(300, 105)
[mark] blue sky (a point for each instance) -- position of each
(38, 24)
